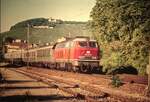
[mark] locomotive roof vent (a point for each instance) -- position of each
(80, 39)
(93, 40)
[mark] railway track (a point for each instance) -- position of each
(84, 90)
(70, 88)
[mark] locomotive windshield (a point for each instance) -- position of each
(83, 44)
(92, 44)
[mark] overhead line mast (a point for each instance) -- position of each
(28, 32)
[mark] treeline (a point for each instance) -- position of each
(122, 28)
(43, 22)
(74, 22)
(32, 22)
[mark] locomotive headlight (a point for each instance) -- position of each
(88, 52)
(94, 57)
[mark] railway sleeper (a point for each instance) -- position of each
(71, 89)
(107, 93)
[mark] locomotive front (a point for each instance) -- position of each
(86, 54)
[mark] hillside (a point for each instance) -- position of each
(43, 35)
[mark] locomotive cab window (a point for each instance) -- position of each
(93, 44)
(82, 44)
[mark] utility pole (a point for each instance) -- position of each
(28, 31)
(148, 72)
(2, 46)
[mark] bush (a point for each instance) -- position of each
(116, 82)
(123, 70)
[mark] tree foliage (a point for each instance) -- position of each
(122, 28)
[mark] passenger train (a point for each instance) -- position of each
(78, 54)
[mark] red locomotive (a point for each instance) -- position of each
(75, 54)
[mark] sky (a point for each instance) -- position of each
(14, 11)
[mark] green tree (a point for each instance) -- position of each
(122, 28)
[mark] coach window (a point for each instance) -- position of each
(62, 45)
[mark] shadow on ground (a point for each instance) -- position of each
(123, 70)
(16, 81)
(28, 87)
(11, 65)
(30, 98)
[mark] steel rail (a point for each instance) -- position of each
(102, 91)
(51, 81)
